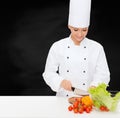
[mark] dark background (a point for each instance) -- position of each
(27, 30)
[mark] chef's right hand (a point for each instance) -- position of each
(66, 84)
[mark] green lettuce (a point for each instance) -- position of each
(101, 96)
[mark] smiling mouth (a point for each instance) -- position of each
(79, 38)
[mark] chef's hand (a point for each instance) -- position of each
(66, 84)
(92, 87)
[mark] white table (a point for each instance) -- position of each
(43, 107)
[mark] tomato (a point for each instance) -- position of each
(80, 110)
(75, 110)
(75, 104)
(70, 108)
(90, 107)
(87, 110)
(104, 108)
(84, 107)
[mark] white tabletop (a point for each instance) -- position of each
(43, 107)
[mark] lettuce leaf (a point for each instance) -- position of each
(101, 96)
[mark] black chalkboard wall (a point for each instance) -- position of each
(27, 31)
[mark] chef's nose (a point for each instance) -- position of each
(80, 33)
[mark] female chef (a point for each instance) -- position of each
(76, 61)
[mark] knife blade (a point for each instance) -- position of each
(79, 91)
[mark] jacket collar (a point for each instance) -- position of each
(83, 42)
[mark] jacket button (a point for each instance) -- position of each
(84, 58)
(68, 46)
(83, 83)
(84, 46)
(84, 71)
(67, 57)
(67, 70)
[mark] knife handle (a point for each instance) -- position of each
(73, 88)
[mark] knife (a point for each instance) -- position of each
(79, 91)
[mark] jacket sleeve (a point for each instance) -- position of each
(102, 73)
(50, 75)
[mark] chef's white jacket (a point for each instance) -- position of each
(84, 65)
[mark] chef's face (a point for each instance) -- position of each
(78, 34)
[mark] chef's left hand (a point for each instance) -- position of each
(92, 87)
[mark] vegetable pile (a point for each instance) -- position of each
(81, 104)
(102, 98)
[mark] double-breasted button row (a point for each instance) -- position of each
(84, 70)
(69, 47)
(69, 58)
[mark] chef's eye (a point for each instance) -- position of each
(75, 29)
(84, 30)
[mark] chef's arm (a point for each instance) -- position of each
(53, 80)
(50, 74)
(102, 73)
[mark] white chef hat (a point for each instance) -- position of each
(79, 13)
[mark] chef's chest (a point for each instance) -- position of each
(74, 56)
